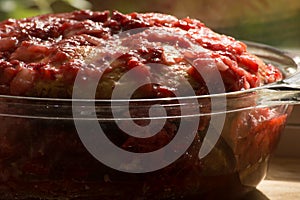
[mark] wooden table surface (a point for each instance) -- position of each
(281, 183)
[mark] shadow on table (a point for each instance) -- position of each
(255, 195)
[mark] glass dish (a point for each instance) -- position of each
(52, 148)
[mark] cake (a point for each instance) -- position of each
(43, 158)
